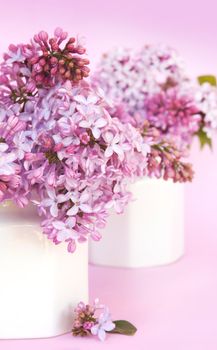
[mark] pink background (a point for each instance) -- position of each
(174, 307)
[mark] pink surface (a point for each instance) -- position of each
(174, 307)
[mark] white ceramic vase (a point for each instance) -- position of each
(149, 233)
(40, 283)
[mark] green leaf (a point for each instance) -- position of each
(211, 79)
(123, 327)
(204, 139)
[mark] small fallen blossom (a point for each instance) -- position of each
(96, 320)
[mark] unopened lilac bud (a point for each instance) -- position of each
(42, 62)
(71, 40)
(43, 36)
(53, 60)
(39, 78)
(67, 74)
(62, 70)
(61, 62)
(71, 65)
(58, 32)
(53, 71)
(70, 47)
(80, 50)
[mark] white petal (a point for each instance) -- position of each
(73, 211)
(116, 139)
(92, 99)
(108, 136)
(64, 234)
(119, 151)
(67, 141)
(54, 210)
(96, 132)
(80, 99)
(108, 326)
(47, 202)
(61, 198)
(100, 123)
(86, 208)
(84, 197)
(108, 152)
(6, 170)
(84, 124)
(3, 147)
(10, 157)
(102, 334)
(94, 329)
(51, 192)
(59, 225)
(71, 221)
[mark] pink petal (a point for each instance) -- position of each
(94, 329)
(101, 334)
(108, 326)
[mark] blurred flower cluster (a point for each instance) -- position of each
(152, 85)
(206, 100)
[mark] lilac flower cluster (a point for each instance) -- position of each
(150, 90)
(130, 77)
(62, 146)
(87, 322)
(175, 115)
(165, 160)
(41, 63)
(59, 146)
(152, 84)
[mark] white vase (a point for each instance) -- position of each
(149, 233)
(40, 283)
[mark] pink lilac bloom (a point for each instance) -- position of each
(41, 63)
(130, 76)
(88, 175)
(62, 149)
(147, 89)
(175, 115)
(61, 143)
